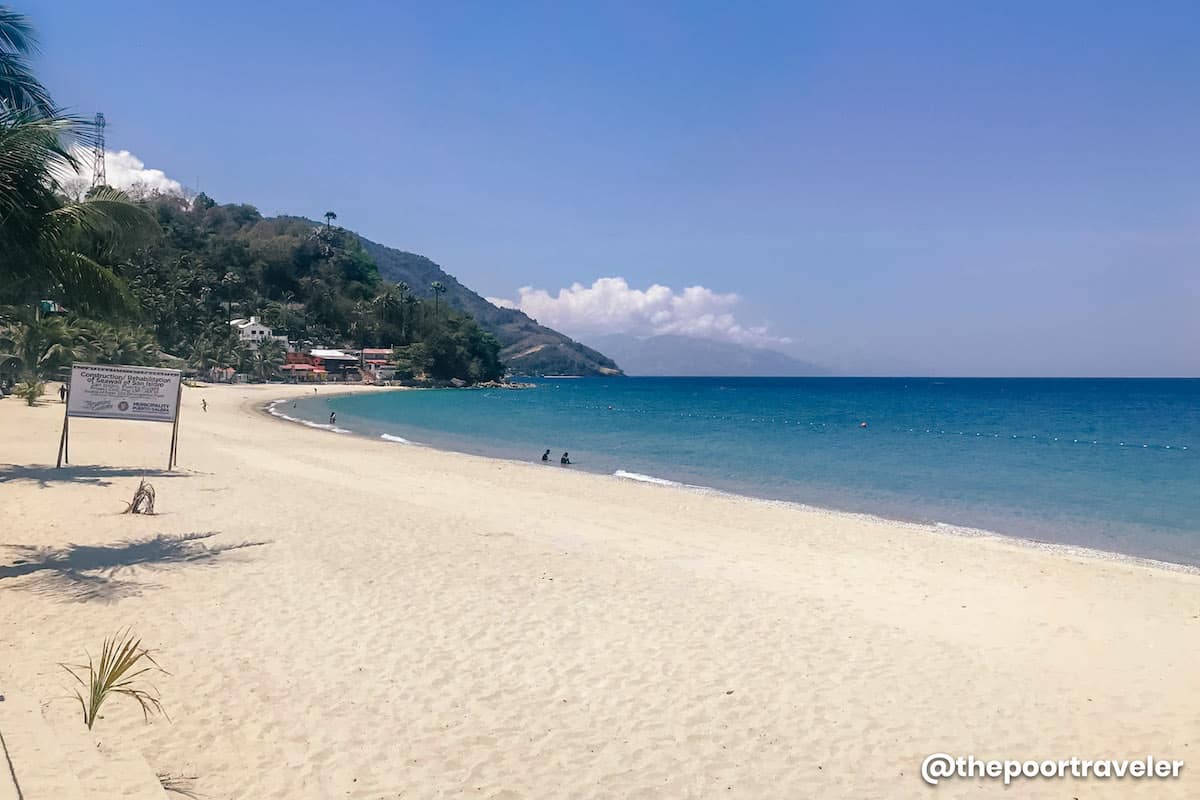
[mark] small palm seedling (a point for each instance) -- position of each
(120, 671)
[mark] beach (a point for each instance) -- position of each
(356, 618)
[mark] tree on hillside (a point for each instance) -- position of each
(329, 218)
(439, 289)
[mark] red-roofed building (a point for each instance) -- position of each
(377, 363)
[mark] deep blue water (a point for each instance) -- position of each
(1112, 464)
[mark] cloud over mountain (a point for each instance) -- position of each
(611, 305)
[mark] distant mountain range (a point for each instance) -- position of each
(528, 348)
(688, 356)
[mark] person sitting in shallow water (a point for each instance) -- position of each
(565, 459)
(546, 455)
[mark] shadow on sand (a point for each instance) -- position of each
(98, 476)
(93, 572)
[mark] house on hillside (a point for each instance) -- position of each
(254, 330)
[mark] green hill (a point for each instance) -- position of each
(527, 347)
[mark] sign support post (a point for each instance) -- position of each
(63, 453)
(175, 428)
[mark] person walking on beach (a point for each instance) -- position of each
(204, 404)
(565, 459)
(332, 418)
(546, 455)
(62, 396)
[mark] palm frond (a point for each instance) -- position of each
(179, 784)
(16, 32)
(92, 285)
(107, 213)
(19, 89)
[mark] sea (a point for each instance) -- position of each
(1108, 464)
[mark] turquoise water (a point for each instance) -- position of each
(1110, 464)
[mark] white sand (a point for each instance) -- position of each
(410, 623)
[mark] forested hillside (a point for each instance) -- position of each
(100, 275)
(528, 348)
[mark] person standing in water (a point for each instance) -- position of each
(565, 459)
(546, 455)
(332, 418)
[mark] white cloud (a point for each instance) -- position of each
(610, 305)
(124, 171)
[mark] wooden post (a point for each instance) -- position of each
(175, 426)
(62, 441)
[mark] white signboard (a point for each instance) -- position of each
(112, 391)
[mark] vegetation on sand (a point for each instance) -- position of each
(121, 671)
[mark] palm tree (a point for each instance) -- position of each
(361, 322)
(389, 306)
(203, 356)
(217, 350)
(404, 294)
(232, 284)
(406, 323)
(46, 242)
(19, 90)
(40, 345)
(439, 289)
(329, 218)
(268, 358)
(110, 344)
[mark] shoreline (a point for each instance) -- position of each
(935, 527)
(346, 619)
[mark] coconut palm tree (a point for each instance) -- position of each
(329, 218)
(268, 358)
(110, 344)
(38, 346)
(217, 350)
(439, 289)
(47, 243)
(19, 89)
(389, 306)
(411, 302)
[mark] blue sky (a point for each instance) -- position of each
(935, 188)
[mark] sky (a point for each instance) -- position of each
(881, 188)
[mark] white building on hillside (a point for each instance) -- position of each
(252, 331)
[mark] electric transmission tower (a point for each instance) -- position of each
(98, 176)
